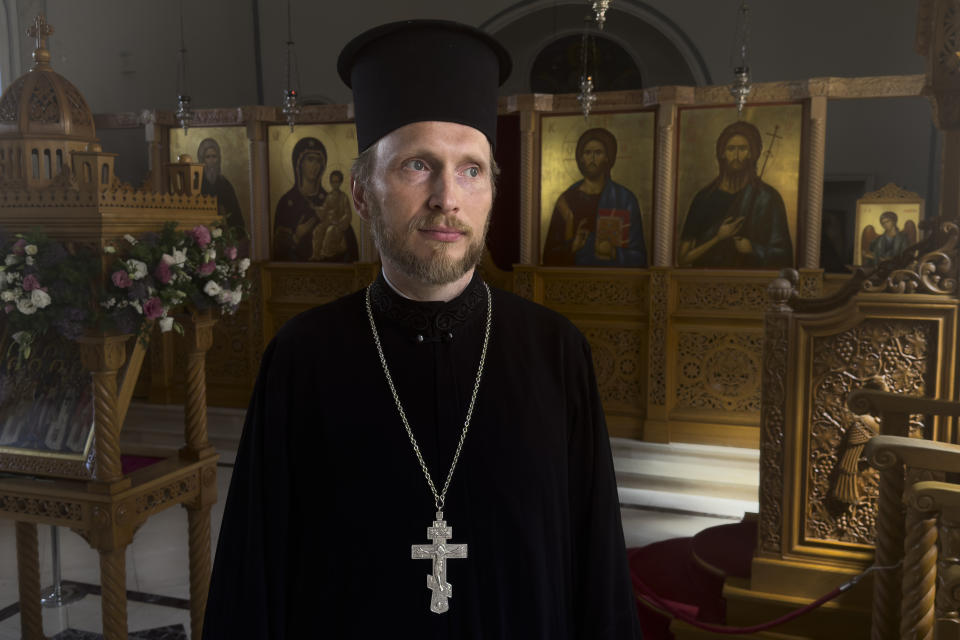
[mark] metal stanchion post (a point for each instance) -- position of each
(59, 594)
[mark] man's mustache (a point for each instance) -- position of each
(439, 220)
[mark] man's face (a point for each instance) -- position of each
(335, 182)
(312, 166)
(888, 224)
(737, 152)
(211, 157)
(429, 199)
(593, 159)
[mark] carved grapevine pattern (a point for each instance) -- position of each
(79, 111)
(892, 353)
(313, 286)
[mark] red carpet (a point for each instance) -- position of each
(671, 570)
(129, 464)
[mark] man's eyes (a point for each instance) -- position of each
(473, 172)
(417, 165)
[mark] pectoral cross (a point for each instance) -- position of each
(439, 552)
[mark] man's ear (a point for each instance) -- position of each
(360, 196)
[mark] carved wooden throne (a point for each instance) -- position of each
(894, 329)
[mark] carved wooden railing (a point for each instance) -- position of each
(908, 603)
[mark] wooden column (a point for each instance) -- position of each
(260, 214)
(28, 574)
(102, 356)
(665, 204)
(198, 523)
(198, 331)
(529, 185)
(813, 199)
(113, 593)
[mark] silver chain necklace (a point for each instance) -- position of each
(439, 551)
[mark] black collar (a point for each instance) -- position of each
(429, 319)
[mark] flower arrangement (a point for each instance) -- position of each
(47, 285)
(151, 276)
(44, 285)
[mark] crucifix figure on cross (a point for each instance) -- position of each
(439, 552)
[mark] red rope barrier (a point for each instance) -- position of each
(648, 595)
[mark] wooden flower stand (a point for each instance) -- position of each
(109, 509)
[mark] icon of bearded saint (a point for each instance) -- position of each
(216, 184)
(738, 220)
(596, 221)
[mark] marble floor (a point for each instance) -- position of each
(659, 494)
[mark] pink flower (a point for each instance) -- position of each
(121, 279)
(232, 253)
(30, 283)
(207, 268)
(18, 247)
(162, 272)
(201, 235)
(153, 308)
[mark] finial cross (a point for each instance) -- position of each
(39, 30)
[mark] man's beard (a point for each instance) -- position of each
(210, 174)
(738, 177)
(592, 171)
(438, 269)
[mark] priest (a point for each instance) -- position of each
(425, 458)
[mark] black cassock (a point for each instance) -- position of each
(327, 496)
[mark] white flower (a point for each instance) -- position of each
(166, 324)
(8, 295)
(26, 306)
(179, 257)
(136, 305)
(40, 298)
(11, 260)
(244, 265)
(109, 249)
(30, 249)
(12, 276)
(22, 337)
(212, 288)
(129, 238)
(29, 260)
(216, 232)
(136, 269)
(209, 254)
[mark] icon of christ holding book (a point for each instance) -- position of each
(596, 221)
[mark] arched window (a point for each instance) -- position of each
(105, 174)
(87, 173)
(59, 161)
(35, 158)
(47, 164)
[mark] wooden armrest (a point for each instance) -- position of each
(894, 409)
(885, 451)
(930, 495)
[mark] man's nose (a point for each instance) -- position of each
(444, 192)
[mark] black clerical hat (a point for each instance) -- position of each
(419, 70)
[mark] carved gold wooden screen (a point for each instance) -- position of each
(818, 496)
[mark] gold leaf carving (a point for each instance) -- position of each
(772, 412)
(310, 286)
(50, 508)
(716, 296)
(719, 370)
(44, 106)
(581, 291)
(616, 359)
(658, 339)
(171, 493)
(523, 283)
(892, 354)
